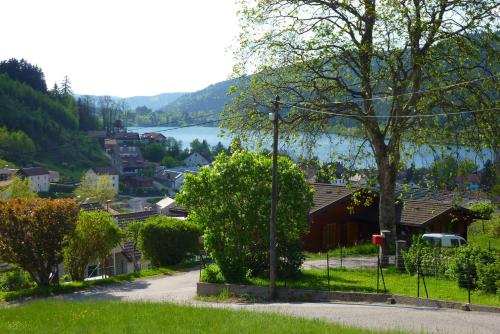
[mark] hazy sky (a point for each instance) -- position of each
(123, 47)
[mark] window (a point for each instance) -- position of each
(454, 243)
(92, 271)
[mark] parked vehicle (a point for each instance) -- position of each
(444, 240)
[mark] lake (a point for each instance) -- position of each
(325, 145)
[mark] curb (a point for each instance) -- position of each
(287, 294)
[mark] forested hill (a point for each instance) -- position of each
(154, 102)
(39, 128)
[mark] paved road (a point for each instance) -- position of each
(181, 288)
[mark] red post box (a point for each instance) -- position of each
(377, 239)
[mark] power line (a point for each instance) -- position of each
(458, 84)
(389, 116)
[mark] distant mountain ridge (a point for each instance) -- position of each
(154, 102)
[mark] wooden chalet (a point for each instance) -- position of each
(343, 216)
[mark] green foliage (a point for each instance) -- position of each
(15, 279)
(25, 72)
(96, 188)
(482, 209)
(131, 234)
(212, 274)
(18, 188)
(154, 152)
(464, 265)
(488, 276)
(94, 237)
(166, 241)
(16, 146)
(51, 124)
(231, 203)
(33, 233)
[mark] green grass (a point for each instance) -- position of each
(365, 280)
(76, 286)
(487, 237)
(122, 317)
(362, 249)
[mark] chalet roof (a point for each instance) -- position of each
(328, 194)
(153, 135)
(91, 206)
(127, 135)
(106, 170)
(163, 203)
(124, 218)
(32, 171)
(422, 212)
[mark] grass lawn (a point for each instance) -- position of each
(362, 249)
(120, 317)
(75, 286)
(365, 280)
(487, 237)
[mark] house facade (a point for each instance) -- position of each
(197, 159)
(107, 172)
(38, 178)
(343, 216)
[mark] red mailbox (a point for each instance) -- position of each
(377, 239)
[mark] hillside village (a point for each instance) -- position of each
(344, 177)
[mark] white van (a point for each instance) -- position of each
(444, 240)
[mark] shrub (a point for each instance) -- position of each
(167, 241)
(212, 274)
(488, 276)
(464, 265)
(231, 202)
(15, 279)
(433, 260)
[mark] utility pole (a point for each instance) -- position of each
(274, 116)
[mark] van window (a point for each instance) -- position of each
(434, 242)
(454, 243)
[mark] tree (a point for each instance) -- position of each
(33, 233)
(23, 71)
(18, 188)
(383, 64)
(488, 176)
(131, 234)
(154, 152)
(94, 237)
(96, 188)
(231, 203)
(16, 145)
(200, 147)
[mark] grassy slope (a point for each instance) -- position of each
(118, 317)
(490, 236)
(365, 280)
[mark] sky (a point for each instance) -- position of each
(123, 47)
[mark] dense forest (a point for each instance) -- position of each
(40, 126)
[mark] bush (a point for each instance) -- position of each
(212, 274)
(464, 265)
(167, 241)
(488, 276)
(433, 260)
(15, 279)
(231, 202)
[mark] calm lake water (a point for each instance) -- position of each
(327, 148)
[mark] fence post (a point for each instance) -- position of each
(469, 280)
(418, 274)
(341, 255)
(328, 269)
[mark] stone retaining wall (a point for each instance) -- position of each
(286, 294)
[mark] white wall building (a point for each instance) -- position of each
(38, 178)
(107, 172)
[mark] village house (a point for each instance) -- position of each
(345, 216)
(153, 138)
(127, 138)
(197, 159)
(173, 178)
(38, 178)
(54, 176)
(106, 172)
(128, 160)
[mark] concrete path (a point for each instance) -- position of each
(181, 288)
(354, 262)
